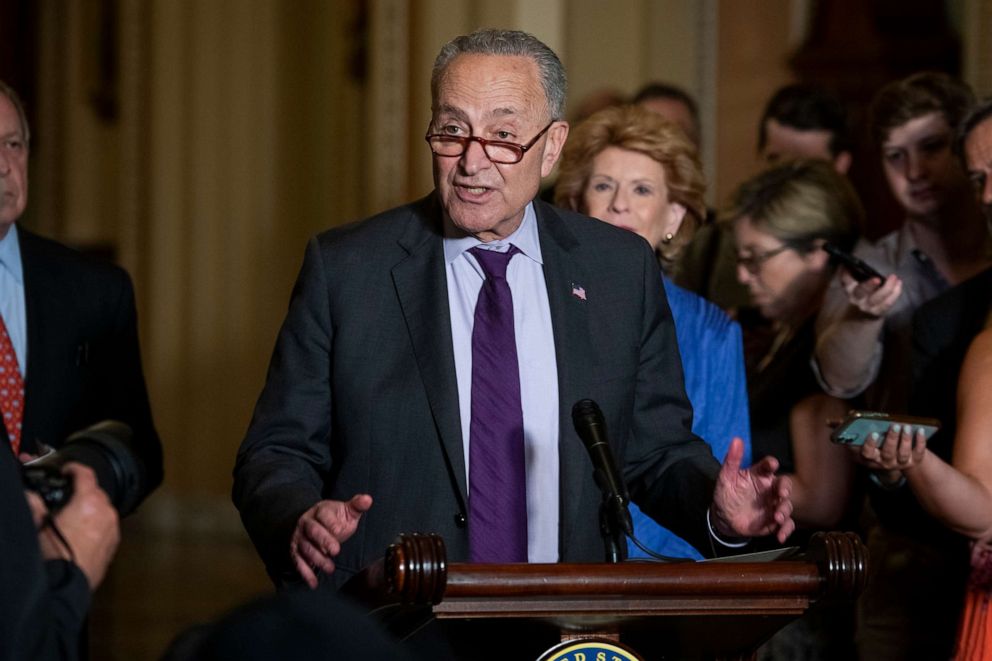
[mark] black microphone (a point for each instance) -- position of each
(591, 428)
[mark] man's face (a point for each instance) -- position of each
(978, 156)
(785, 143)
(13, 166)
(493, 97)
(922, 172)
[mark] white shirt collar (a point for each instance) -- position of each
(525, 238)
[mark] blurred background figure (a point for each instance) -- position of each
(864, 347)
(69, 327)
(780, 219)
(70, 358)
(674, 104)
(596, 100)
(698, 268)
(305, 625)
(805, 121)
(799, 121)
(863, 333)
(633, 169)
(945, 499)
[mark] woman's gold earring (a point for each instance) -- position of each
(668, 237)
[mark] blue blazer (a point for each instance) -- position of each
(715, 381)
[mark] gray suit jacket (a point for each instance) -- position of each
(361, 393)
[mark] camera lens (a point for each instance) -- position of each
(106, 448)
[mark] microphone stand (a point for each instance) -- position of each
(610, 529)
(614, 517)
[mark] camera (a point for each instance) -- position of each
(106, 448)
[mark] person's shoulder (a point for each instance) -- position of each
(707, 315)
(702, 322)
(982, 343)
(977, 362)
(62, 262)
(969, 295)
(969, 299)
(593, 240)
(585, 227)
(882, 252)
(408, 222)
(893, 252)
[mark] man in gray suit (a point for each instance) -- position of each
(371, 392)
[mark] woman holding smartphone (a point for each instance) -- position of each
(951, 481)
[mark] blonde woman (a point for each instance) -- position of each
(629, 167)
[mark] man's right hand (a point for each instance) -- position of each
(321, 530)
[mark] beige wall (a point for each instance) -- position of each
(241, 133)
(751, 65)
(977, 28)
(730, 55)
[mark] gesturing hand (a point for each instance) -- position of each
(321, 530)
(751, 502)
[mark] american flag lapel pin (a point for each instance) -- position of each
(579, 292)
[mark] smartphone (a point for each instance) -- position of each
(859, 425)
(858, 268)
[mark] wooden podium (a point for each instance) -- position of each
(720, 609)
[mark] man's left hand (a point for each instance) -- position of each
(751, 502)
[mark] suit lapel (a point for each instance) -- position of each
(567, 281)
(422, 288)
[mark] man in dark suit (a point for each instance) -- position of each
(70, 319)
(372, 391)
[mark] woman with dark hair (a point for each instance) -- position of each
(629, 167)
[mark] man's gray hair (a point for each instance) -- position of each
(509, 42)
(8, 91)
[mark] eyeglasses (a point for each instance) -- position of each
(752, 263)
(497, 151)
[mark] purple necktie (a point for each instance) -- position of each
(497, 500)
